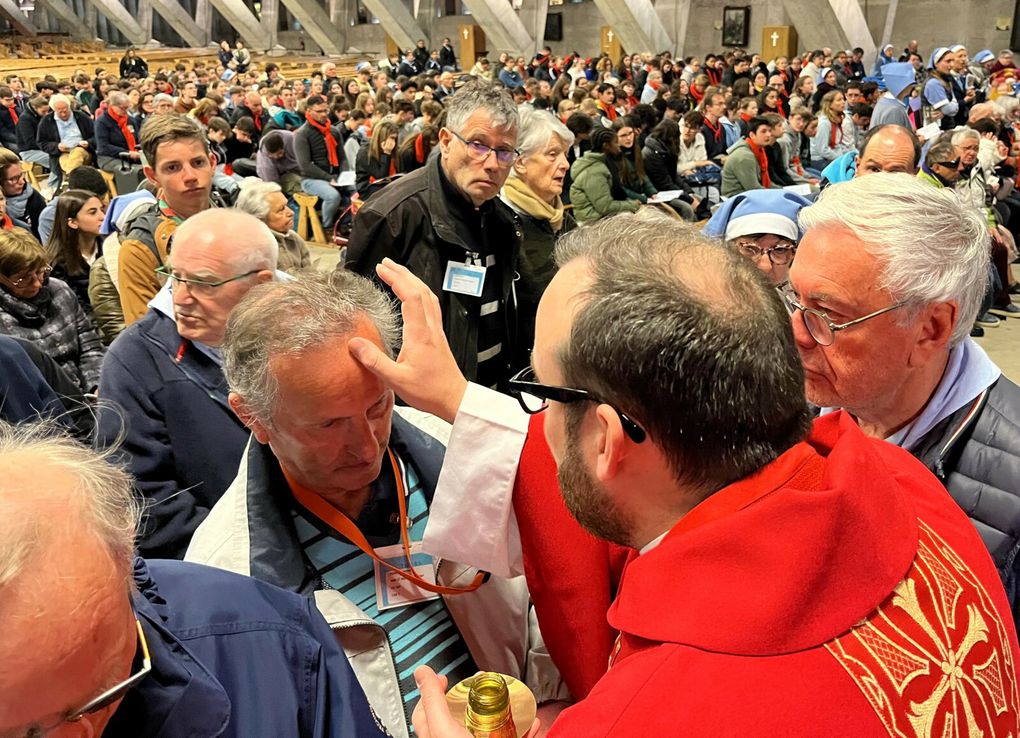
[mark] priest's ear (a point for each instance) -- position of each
(248, 418)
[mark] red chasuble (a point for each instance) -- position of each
(838, 592)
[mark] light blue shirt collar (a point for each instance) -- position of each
(968, 373)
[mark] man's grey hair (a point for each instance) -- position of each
(288, 318)
(102, 498)
(492, 97)
(253, 245)
(1007, 104)
(962, 133)
(940, 151)
(253, 197)
(930, 246)
(537, 129)
(119, 99)
(162, 97)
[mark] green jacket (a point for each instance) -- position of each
(741, 171)
(591, 190)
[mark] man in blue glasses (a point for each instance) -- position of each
(98, 642)
(770, 560)
(446, 223)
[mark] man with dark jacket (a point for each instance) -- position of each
(420, 53)
(446, 224)
(117, 134)
(252, 108)
(409, 67)
(318, 147)
(912, 377)
(447, 57)
(163, 649)
(28, 128)
(163, 379)
(8, 119)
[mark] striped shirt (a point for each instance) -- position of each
(420, 633)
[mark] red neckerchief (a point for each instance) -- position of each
(419, 148)
(836, 126)
(745, 117)
(327, 132)
(6, 224)
(715, 129)
(13, 112)
(122, 122)
(698, 96)
(609, 110)
(763, 162)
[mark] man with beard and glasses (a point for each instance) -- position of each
(784, 559)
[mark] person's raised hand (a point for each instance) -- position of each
(425, 374)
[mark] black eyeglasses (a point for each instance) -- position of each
(481, 152)
(534, 398)
(950, 164)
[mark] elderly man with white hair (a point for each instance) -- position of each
(266, 201)
(67, 135)
(888, 280)
(162, 379)
(117, 135)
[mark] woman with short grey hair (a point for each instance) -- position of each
(533, 190)
(266, 201)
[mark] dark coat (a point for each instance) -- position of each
(660, 167)
(110, 139)
(975, 453)
(369, 171)
(49, 137)
(8, 129)
(261, 121)
(447, 57)
(232, 656)
(136, 65)
(25, 395)
(182, 441)
(27, 129)
(411, 221)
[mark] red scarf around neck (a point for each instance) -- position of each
(835, 129)
(122, 122)
(12, 109)
(6, 224)
(327, 132)
(763, 162)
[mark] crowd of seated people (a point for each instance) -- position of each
(621, 243)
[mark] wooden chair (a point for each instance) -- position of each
(307, 214)
(29, 169)
(111, 182)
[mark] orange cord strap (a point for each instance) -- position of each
(339, 522)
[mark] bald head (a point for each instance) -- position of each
(233, 236)
(889, 148)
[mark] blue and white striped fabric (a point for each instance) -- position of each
(422, 633)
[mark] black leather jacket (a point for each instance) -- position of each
(413, 221)
(976, 454)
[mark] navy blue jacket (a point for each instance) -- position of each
(232, 656)
(110, 139)
(182, 441)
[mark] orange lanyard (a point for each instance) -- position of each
(342, 524)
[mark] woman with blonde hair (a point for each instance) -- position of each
(830, 142)
(45, 311)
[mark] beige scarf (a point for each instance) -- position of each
(522, 196)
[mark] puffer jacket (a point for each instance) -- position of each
(106, 309)
(975, 453)
(55, 322)
(591, 190)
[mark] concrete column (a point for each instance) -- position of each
(397, 21)
(63, 15)
(203, 19)
(237, 14)
(502, 26)
(145, 14)
(10, 10)
(533, 14)
(636, 23)
(193, 32)
(91, 20)
(315, 21)
(890, 20)
(836, 23)
(121, 19)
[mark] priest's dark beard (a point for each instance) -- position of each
(585, 498)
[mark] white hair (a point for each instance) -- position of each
(254, 196)
(930, 245)
(1007, 104)
(119, 99)
(962, 133)
(537, 129)
(101, 498)
(58, 98)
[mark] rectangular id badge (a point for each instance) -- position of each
(393, 590)
(464, 279)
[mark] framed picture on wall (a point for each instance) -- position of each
(735, 25)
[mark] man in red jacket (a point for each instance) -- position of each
(782, 579)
